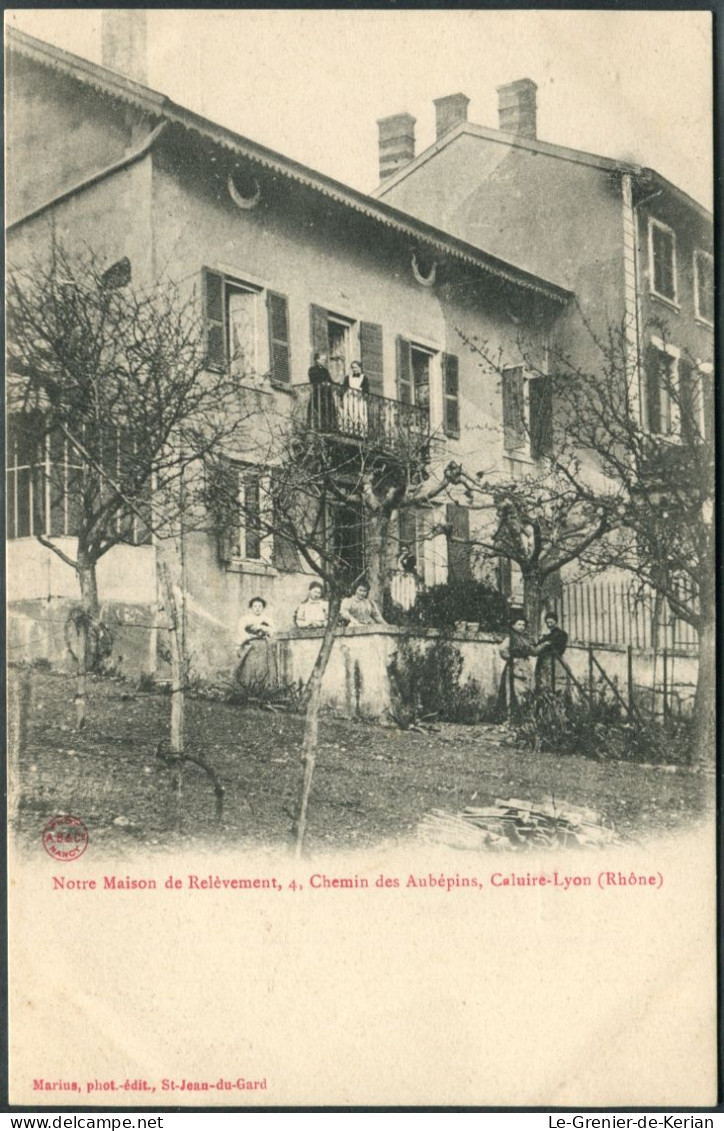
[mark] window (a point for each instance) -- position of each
(704, 286)
(661, 377)
(458, 543)
(233, 328)
(347, 523)
(45, 480)
(451, 395)
(414, 370)
(247, 543)
(527, 414)
(662, 260)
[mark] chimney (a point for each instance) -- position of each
(517, 108)
(397, 142)
(123, 42)
(450, 111)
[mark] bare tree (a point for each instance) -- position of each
(110, 386)
(647, 418)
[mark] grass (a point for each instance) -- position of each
(372, 783)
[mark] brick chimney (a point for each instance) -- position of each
(123, 42)
(517, 108)
(397, 142)
(450, 111)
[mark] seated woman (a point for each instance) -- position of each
(360, 608)
(515, 682)
(313, 611)
(257, 658)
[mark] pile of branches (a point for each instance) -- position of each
(519, 826)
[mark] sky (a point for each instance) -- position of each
(311, 84)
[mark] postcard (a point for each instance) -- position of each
(361, 594)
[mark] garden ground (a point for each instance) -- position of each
(372, 783)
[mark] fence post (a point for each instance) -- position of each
(590, 674)
(629, 659)
(665, 665)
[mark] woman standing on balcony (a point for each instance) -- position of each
(354, 402)
(322, 413)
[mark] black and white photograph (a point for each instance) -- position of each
(361, 602)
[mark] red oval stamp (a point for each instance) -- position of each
(65, 838)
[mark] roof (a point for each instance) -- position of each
(161, 108)
(550, 149)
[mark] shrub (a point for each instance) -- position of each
(426, 684)
(559, 724)
(442, 606)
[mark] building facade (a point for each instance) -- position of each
(283, 263)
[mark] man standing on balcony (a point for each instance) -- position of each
(321, 413)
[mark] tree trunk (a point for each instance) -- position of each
(86, 571)
(173, 597)
(533, 602)
(377, 531)
(705, 697)
(313, 697)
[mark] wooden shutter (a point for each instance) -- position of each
(285, 555)
(652, 383)
(451, 394)
(370, 347)
(408, 528)
(540, 404)
(223, 495)
(215, 320)
(404, 371)
(279, 353)
(319, 320)
(705, 382)
(689, 417)
(505, 576)
(458, 543)
(513, 413)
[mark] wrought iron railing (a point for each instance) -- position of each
(380, 422)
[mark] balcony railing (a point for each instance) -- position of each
(379, 422)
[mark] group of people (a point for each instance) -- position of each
(331, 412)
(519, 676)
(256, 629)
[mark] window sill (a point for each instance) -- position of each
(519, 457)
(249, 566)
(450, 435)
(670, 302)
(703, 322)
(279, 387)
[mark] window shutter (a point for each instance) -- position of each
(370, 346)
(505, 576)
(652, 382)
(540, 394)
(404, 371)
(222, 487)
(408, 528)
(513, 414)
(279, 352)
(689, 418)
(215, 320)
(451, 394)
(706, 392)
(319, 318)
(458, 543)
(285, 555)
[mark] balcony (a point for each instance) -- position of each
(378, 423)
